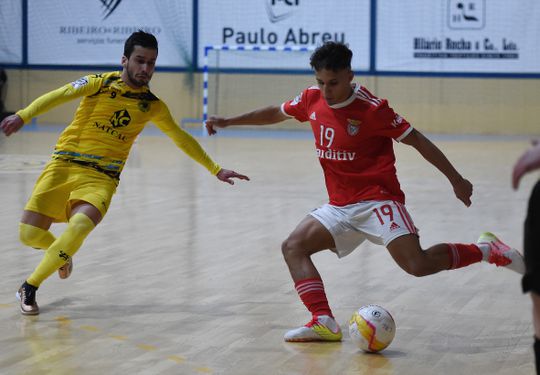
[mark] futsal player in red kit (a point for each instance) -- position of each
(354, 133)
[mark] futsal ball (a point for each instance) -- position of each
(372, 328)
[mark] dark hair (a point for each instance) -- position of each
(139, 38)
(332, 56)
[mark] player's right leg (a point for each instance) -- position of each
(57, 188)
(80, 224)
(310, 237)
(33, 232)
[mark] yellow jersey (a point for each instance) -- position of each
(109, 117)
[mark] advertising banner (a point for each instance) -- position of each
(283, 22)
(11, 40)
(471, 36)
(92, 32)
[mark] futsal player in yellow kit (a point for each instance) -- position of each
(77, 185)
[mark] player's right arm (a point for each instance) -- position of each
(263, 116)
(84, 86)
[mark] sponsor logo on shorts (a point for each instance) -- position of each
(394, 226)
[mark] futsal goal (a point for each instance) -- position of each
(240, 78)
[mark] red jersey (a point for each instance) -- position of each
(353, 140)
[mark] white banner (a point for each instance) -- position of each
(284, 22)
(472, 36)
(93, 32)
(11, 32)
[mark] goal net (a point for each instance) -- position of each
(238, 79)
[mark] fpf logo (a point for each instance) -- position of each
(109, 7)
(120, 118)
(278, 10)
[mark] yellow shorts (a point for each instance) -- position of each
(63, 183)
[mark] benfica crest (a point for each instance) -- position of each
(353, 126)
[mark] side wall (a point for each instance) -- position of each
(435, 105)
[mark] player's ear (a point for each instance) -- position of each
(351, 75)
(124, 61)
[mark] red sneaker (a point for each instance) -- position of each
(502, 255)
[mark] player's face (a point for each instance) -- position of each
(335, 86)
(138, 69)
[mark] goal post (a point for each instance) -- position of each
(256, 75)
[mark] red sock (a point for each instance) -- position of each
(311, 292)
(461, 255)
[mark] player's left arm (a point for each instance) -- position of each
(462, 187)
(191, 147)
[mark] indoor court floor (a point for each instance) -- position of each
(185, 273)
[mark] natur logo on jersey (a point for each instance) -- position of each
(119, 119)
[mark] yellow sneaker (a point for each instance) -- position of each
(320, 328)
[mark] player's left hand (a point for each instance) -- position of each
(463, 190)
(227, 176)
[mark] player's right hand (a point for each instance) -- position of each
(11, 124)
(463, 190)
(214, 122)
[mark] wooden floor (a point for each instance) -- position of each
(185, 274)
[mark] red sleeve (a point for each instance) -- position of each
(297, 107)
(389, 124)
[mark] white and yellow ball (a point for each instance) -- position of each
(372, 328)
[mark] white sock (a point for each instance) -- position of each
(485, 249)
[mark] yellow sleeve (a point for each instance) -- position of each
(83, 86)
(183, 140)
